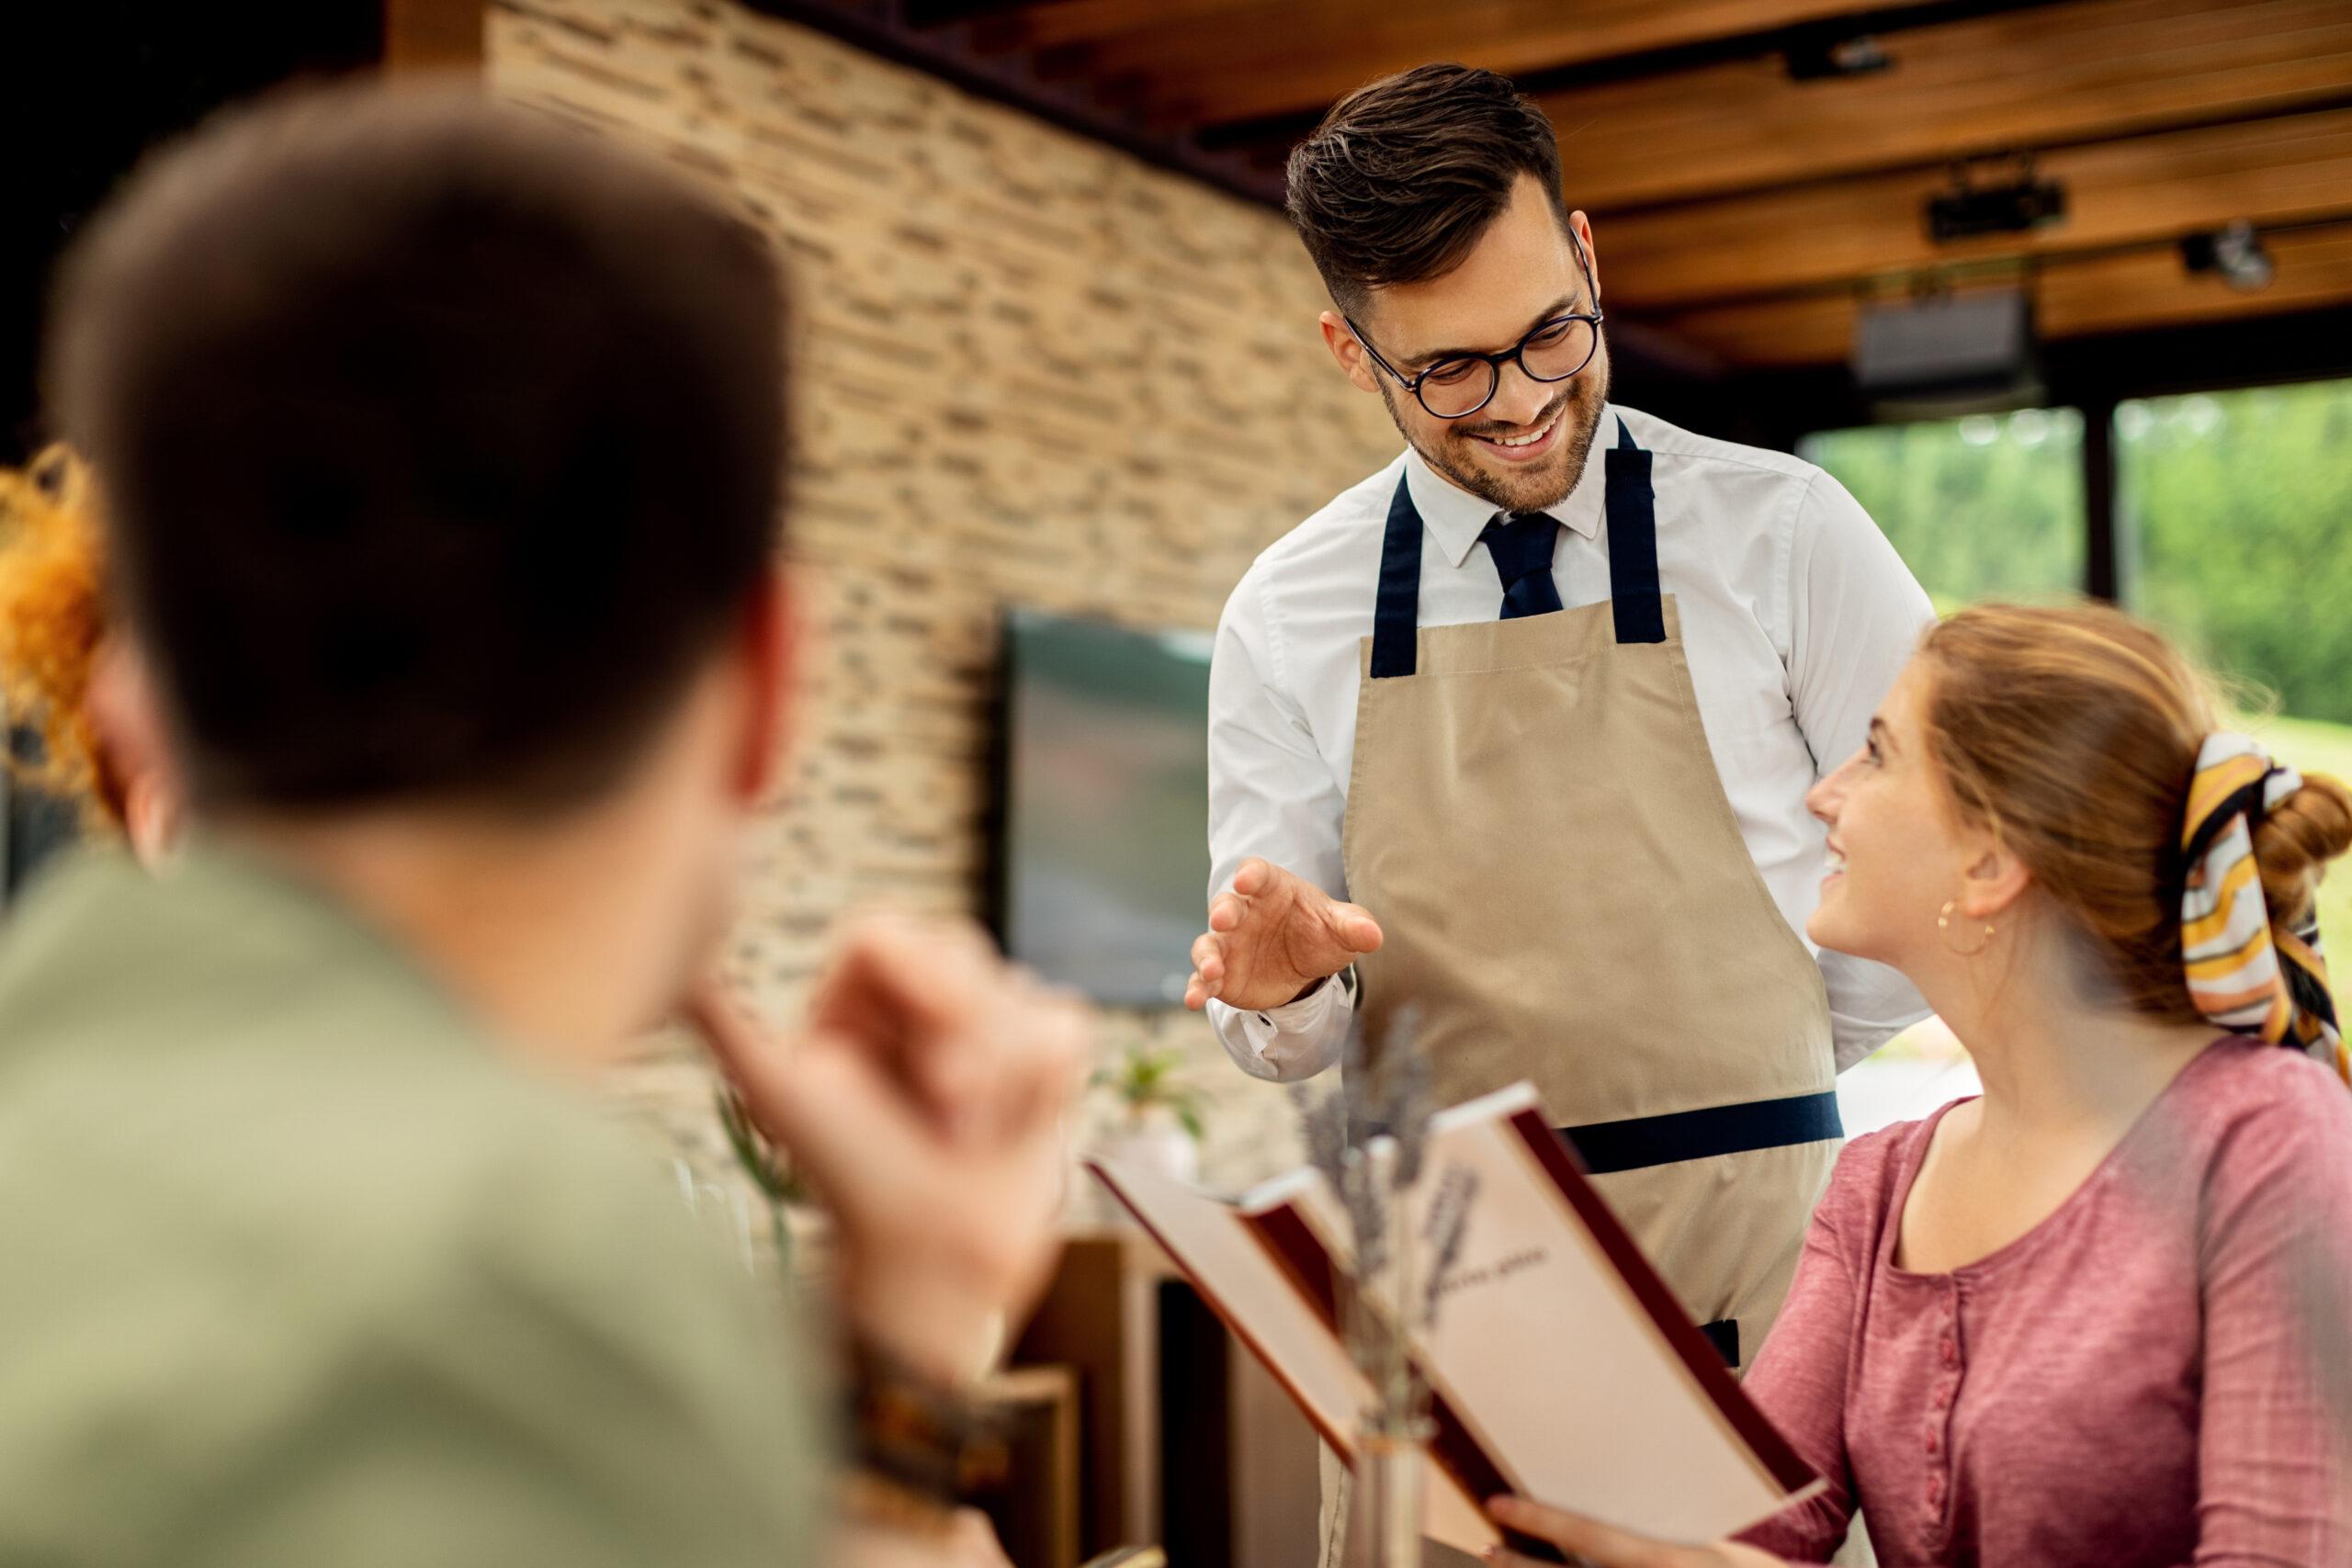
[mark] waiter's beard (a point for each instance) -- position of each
(1455, 456)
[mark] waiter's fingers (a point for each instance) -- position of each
(1356, 929)
(1208, 957)
(1252, 876)
(1225, 911)
(1196, 992)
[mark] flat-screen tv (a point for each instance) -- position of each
(1100, 858)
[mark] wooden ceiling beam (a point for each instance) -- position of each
(1057, 23)
(947, 13)
(2083, 72)
(1284, 55)
(2120, 292)
(2293, 168)
(946, 53)
(434, 35)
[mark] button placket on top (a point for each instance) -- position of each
(1951, 1368)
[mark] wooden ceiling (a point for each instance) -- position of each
(1742, 205)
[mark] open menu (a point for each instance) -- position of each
(1560, 1367)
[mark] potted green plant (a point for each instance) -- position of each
(778, 1183)
(1159, 1126)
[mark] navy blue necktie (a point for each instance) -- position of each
(1522, 552)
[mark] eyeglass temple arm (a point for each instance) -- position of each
(1592, 283)
(1365, 342)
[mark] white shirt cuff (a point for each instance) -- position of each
(1296, 1040)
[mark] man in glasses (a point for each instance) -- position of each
(1519, 728)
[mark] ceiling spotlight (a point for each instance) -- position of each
(2236, 252)
(2011, 207)
(1814, 53)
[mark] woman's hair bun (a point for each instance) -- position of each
(2295, 841)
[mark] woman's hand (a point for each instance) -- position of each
(1589, 1540)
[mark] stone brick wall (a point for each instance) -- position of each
(1029, 369)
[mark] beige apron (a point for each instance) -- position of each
(1536, 821)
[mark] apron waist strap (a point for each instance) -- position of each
(1640, 1141)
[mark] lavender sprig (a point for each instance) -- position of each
(1367, 1194)
(1370, 1141)
(1445, 1231)
(1409, 1109)
(1323, 1126)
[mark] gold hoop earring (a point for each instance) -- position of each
(1943, 924)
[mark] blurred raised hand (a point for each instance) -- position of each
(924, 1101)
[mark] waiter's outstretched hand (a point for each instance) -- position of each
(1271, 936)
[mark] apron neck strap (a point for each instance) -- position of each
(1633, 542)
(1633, 563)
(1397, 612)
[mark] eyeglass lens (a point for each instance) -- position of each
(1455, 387)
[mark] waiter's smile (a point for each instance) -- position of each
(1524, 447)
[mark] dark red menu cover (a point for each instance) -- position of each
(1560, 1366)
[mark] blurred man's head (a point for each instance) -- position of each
(442, 448)
(1430, 203)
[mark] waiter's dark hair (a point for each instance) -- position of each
(1403, 175)
(439, 444)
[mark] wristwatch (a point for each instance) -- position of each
(917, 1440)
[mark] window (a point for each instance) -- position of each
(2234, 515)
(1990, 506)
(2232, 532)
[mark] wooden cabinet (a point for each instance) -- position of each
(1183, 1439)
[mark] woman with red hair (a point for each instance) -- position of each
(58, 663)
(2096, 1317)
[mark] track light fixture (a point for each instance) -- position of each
(2235, 252)
(2015, 205)
(1816, 52)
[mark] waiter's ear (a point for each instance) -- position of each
(1348, 352)
(1582, 228)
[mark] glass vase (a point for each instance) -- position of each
(1383, 1524)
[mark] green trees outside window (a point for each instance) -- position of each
(2236, 519)
(2233, 519)
(1985, 507)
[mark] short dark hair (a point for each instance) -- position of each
(439, 442)
(1403, 175)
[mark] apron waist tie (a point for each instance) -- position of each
(1639, 1142)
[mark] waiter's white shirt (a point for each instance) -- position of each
(1795, 612)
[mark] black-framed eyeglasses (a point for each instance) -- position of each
(1461, 384)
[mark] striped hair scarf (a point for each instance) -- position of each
(2242, 975)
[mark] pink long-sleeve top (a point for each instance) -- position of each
(2158, 1373)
